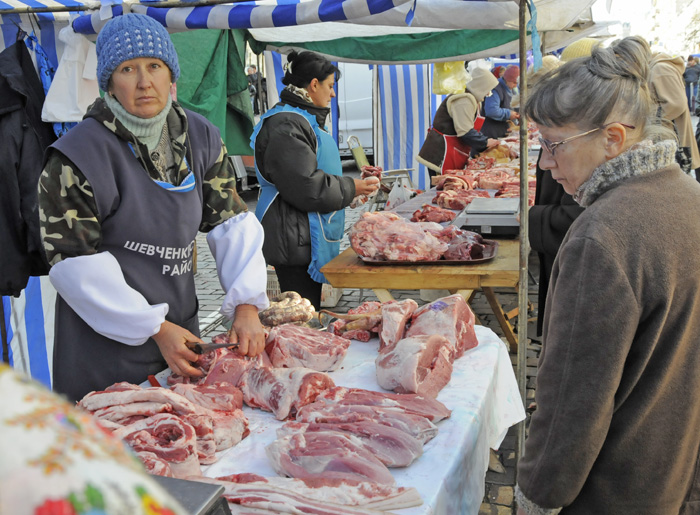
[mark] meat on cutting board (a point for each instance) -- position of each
(394, 318)
(220, 396)
(168, 437)
(283, 391)
(391, 446)
(343, 492)
(415, 425)
(417, 364)
(326, 454)
(427, 407)
(290, 346)
(450, 317)
(231, 366)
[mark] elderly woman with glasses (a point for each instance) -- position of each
(617, 424)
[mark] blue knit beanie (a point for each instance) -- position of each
(130, 36)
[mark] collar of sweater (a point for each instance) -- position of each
(147, 130)
(641, 159)
(294, 98)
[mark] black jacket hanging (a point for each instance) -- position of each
(24, 138)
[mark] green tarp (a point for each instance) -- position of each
(214, 84)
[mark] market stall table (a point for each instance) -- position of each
(485, 401)
(347, 270)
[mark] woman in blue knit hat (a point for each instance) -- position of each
(121, 199)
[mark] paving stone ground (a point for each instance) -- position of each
(498, 498)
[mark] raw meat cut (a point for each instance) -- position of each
(410, 403)
(274, 495)
(154, 465)
(386, 236)
(326, 454)
(339, 327)
(125, 413)
(204, 429)
(457, 199)
(415, 425)
(394, 318)
(282, 390)
(230, 427)
(344, 492)
(290, 346)
(417, 364)
(391, 446)
(465, 246)
(220, 396)
(169, 438)
(428, 213)
(231, 366)
(93, 401)
(450, 317)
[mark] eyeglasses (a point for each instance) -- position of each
(551, 146)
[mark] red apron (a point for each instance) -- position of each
(456, 153)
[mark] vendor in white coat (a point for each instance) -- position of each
(121, 199)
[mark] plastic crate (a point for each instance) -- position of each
(329, 295)
(273, 285)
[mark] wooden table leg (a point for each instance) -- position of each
(501, 317)
(382, 294)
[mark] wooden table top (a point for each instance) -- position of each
(348, 271)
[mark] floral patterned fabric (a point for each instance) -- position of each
(56, 460)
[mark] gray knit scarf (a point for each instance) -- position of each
(641, 159)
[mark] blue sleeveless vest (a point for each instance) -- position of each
(326, 229)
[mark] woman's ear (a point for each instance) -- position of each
(615, 139)
(313, 85)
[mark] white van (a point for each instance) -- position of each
(355, 107)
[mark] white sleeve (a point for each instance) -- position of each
(236, 246)
(94, 286)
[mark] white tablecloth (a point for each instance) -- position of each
(485, 401)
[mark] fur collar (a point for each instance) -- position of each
(641, 159)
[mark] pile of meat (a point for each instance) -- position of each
(428, 213)
(385, 236)
(354, 434)
(172, 431)
(320, 496)
(419, 345)
(289, 374)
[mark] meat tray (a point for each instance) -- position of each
(490, 252)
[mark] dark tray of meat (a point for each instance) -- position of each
(488, 251)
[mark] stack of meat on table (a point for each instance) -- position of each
(337, 443)
(385, 236)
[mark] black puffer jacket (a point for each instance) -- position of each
(285, 153)
(24, 138)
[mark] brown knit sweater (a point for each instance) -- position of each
(617, 424)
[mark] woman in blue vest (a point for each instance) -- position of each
(121, 199)
(303, 193)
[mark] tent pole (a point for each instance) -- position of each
(524, 242)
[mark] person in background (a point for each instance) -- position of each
(667, 88)
(617, 424)
(121, 198)
(303, 193)
(554, 210)
(454, 133)
(496, 109)
(253, 86)
(498, 71)
(691, 75)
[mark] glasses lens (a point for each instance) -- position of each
(547, 145)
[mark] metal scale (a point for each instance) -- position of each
(491, 217)
(195, 497)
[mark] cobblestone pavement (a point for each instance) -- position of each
(498, 499)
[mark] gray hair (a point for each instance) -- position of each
(609, 86)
